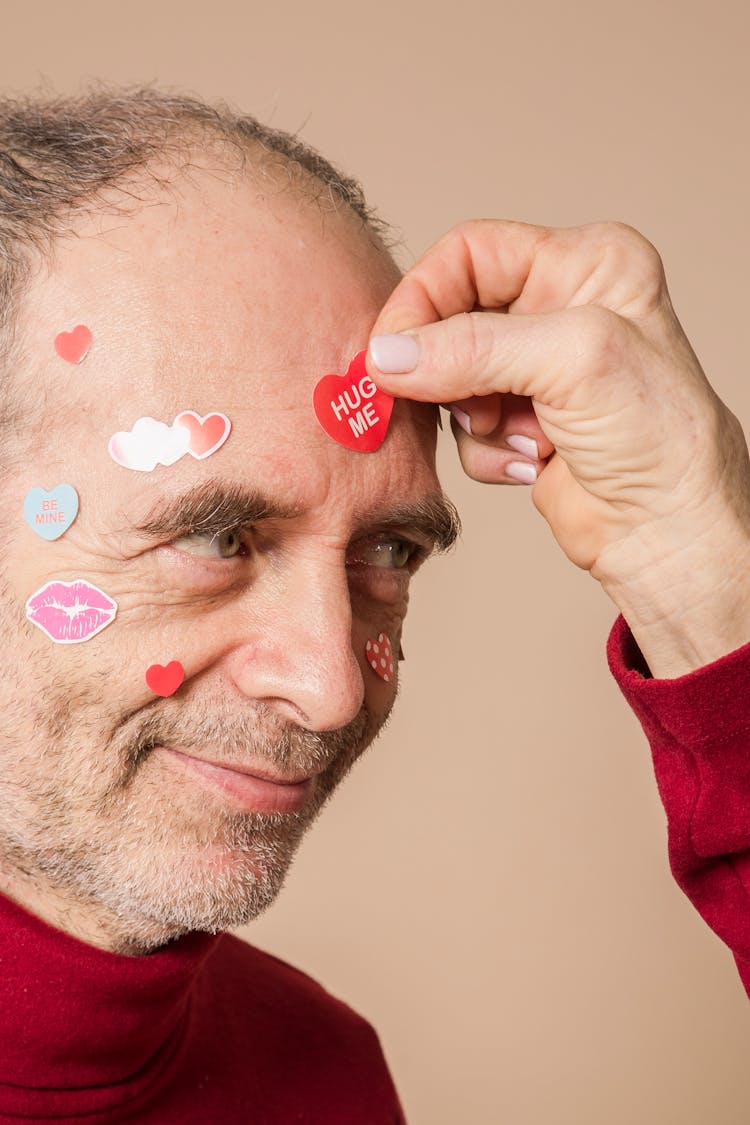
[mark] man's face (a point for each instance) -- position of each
(126, 818)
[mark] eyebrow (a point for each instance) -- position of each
(214, 508)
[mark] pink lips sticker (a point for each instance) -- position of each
(150, 443)
(69, 612)
(352, 409)
(379, 653)
(74, 346)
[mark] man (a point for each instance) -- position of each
(189, 669)
(161, 260)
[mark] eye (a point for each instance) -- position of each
(385, 554)
(225, 545)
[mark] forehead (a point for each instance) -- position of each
(219, 295)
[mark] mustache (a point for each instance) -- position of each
(235, 738)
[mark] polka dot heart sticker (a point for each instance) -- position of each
(379, 654)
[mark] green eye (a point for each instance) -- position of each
(223, 546)
(386, 554)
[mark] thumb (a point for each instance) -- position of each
(545, 356)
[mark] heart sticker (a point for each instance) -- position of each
(351, 409)
(151, 443)
(50, 514)
(206, 434)
(379, 653)
(73, 346)
(164, 679)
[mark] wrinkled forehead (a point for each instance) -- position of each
(215, 297)
(215, 269)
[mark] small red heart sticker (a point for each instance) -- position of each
(165, 679)
(73, 346)
(379, 653)
(352, 409)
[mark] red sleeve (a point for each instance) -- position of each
(698, 726)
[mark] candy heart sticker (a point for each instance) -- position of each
(73, 346)
(164, 679)
(379, 655)
(50, 514)
(206, 434)
(151, 443)
(351, 409)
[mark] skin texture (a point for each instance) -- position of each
(209, 297)
(643, 472)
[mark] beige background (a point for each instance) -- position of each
(491, 886)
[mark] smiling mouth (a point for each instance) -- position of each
(261, 792)
(69, 612)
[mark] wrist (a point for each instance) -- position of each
(684, 592)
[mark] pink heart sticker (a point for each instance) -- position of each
(379, 653)
(352, 409)
(207, 434)
(164, 679)
(73, 346)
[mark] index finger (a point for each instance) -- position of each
(482, 264)
(520, 268)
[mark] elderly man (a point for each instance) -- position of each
(204, 602)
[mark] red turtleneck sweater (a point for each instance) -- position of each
(207, 1031)
(210, 1031)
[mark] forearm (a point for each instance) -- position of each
(698, 727)
(685, 595)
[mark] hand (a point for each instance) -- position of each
(590, 362)
(568, 337)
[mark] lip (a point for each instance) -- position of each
(256, 790)
(70, 612)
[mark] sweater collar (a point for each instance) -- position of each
(82, 1029)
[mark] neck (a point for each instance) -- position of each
(86, 922)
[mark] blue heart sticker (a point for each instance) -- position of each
(50, 514)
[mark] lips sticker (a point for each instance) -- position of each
(73, 346)
(150, 443)
(352, 409)
(164, 679)
(70, 612)
(50, 514)
(379, 653)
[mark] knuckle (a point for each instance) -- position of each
(601, 339)
(632, 252)
(468, 346)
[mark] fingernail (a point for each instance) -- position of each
(521, 470)
(525, 445)
(462, 418)
(395, 354)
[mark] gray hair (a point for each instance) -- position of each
(58, 156)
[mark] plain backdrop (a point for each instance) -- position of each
(491, 886)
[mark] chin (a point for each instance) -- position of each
(211, 890)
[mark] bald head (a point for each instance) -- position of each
(75, 165)
(62, 158)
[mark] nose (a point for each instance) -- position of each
(297, 654)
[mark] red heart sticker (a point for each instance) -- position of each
(351, 409)
(73, 346)
(379, 653)
(207, 434)
(165, 679)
